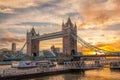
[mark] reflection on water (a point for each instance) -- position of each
(103, 74)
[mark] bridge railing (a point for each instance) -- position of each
(90, 64)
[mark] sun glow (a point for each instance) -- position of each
(98, 53)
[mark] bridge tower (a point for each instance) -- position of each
(32, 44)
(69, 44)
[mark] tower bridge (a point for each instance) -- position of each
(69, 43)
(69, 39)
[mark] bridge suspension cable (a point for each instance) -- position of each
(23, 46)
(87, 45)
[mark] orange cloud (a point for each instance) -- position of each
(101, 14)
(7, 39)
(113, 47)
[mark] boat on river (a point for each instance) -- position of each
(31, 64)
(23, 64)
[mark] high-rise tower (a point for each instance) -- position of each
(13, 47)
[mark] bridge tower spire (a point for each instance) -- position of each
(69, 44)
(32, 44)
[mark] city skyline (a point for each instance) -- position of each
(97, 24)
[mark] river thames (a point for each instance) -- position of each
(101, 74)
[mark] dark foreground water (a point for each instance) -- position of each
(103, 74)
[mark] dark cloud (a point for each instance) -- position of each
(9, 40)
(113, 27)
(38, 24)
(42, 7)
(100, 1)
(53, 7)
(47, 7)
(5, 16)
(72, 14)
(18, 31)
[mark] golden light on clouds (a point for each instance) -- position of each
(48, 43)
(98, 21)
(101, 14)
(113, 47)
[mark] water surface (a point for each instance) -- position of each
(103, 74)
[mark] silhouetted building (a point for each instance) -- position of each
(54, 49)
(14, 47)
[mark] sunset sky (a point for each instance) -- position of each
(98, 21)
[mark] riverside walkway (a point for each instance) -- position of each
(68, 66)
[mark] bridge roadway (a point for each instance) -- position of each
(48, 36)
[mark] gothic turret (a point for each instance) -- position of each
(63, 25)
(33, 31)
(69, 20)
(75, 25)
